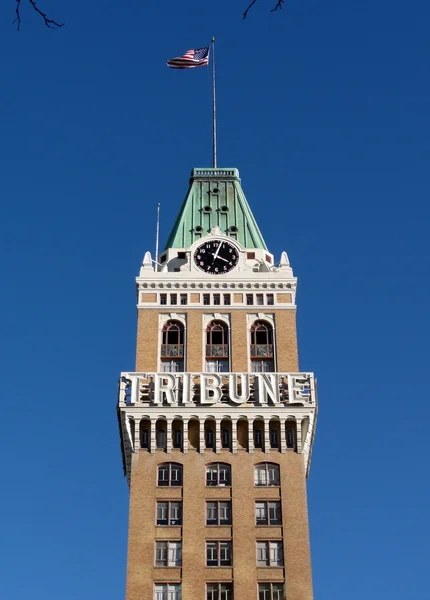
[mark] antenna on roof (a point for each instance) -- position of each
(157, 236)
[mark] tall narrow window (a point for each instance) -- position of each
(225, 438)
(274, 440)
(227, 299)
(144, 439)
(261, 350)
(172, 347)
(258, 438)
(291, 437)
(217, 347)
(177, 438)
(210, 438)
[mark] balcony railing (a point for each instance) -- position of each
(216, 351)
(261, 350)
(172, 350)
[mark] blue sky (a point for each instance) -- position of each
(324, 108)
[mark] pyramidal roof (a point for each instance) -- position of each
(215, 199)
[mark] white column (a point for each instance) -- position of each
(169, 436)
(250, 436)
(218, 436)
(299, 435)
(234, 436)
(153, 437)
(266, 436)
(202, 436)
(282, 426)
(185, 436)
(136, 435)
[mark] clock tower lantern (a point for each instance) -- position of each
(217, 420)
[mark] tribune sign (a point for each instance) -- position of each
(175, 389)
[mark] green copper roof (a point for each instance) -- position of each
(215, 198)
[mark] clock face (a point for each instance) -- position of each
(216, 257)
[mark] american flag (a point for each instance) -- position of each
(198, 57)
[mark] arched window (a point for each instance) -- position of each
(217, 349)
(169, 474)
(210, 438)
(258, 438)
(218, 474)
(261, 350)
(266, 474)
(172, 347)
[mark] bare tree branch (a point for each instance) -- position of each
(48, 22)
(277, 6)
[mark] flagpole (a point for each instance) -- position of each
(157, 236)
(213, 104)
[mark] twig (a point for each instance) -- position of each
(277, 6)
(50, 23)
(245, 14)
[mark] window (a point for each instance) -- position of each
(144, 439)
(210, 438)
(163, 298)
(225, 438)
(249, 299)
(291, 437)
(217, 347)
(219, 591)
(173, 299)
(167, 591)
(161, 439)
(266, 474)
(227, 299)
(218, 474)
(170, 474)
(168, 554)
(184, 299)
(268, 513)
(258, 438)
(218, 554)
(250, 255)
(274, 438)
(260, 299)
(206, 299)
(172, 347)
(169, 513)
(261, 350)
(270, 299)
(269, 554)
(182, 255)
(271, 591)
(218, 513)
(177, 438)
(217, 299)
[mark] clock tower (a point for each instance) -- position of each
(217, 420)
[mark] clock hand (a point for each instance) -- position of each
(215, 256)
(224, 259)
